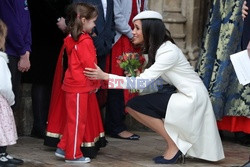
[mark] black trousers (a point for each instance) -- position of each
(16, 80)
(3, 149)
(40, 94)
(115, 115)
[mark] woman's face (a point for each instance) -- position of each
(137, 33)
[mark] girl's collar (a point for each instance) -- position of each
(4, 56)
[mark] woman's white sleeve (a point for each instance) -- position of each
(164, 62)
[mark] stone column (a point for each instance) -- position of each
(191, 10)
(156, 5)
(185, 22)
(175, 21)
(24, 115)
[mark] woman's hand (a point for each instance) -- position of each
(24, 62)
(96, 74)
(127, 74)
(244, 10)
(61, 24)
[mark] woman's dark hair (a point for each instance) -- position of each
(75, 12)
(154, 34)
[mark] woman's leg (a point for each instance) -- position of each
(156, 125)
(115, 116)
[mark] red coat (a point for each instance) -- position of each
(74, 80)
(81, 54)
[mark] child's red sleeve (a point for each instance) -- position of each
(87, 53)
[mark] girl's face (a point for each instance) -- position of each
(137, 33)
(88, 25)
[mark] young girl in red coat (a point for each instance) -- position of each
(83, 120)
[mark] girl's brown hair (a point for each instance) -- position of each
(75, 12)
(3, 34)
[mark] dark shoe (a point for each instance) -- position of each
(4, 163)
(8, 161)
(8, 165)
(247, 164)
(242, 138)
(162, 160)
(158, 157)
(133, 137)
(12, 160)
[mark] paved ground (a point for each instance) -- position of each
(123, 153)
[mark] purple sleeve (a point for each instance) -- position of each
(27, 37)
(15, 14)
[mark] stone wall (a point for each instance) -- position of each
(185, 20)
(24, 116)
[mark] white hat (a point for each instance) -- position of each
(148, 14)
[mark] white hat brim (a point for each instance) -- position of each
(148, 14)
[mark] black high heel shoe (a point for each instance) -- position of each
(155, 158)
(162, 160)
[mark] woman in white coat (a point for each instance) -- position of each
(189, 126)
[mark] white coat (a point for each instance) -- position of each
(5, 80)
(189, 120)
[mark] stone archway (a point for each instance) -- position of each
(185, 20)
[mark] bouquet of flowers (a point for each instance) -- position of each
(131, 62)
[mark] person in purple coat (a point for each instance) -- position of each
(15, 14)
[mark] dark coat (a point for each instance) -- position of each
(16, 16)
(47, 38)
(105, 29)
(246, 29)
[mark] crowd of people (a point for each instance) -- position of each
(77, 51)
